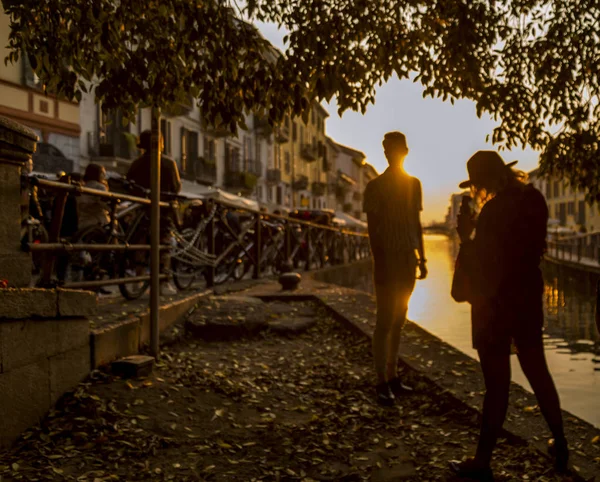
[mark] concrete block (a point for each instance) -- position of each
(10, 200)
(76, 303)
(24, 398)
(67, 370)
(133, 366)
(68, 334)
(16, 268)
(20, 303)
(114, 342)
(25, 341)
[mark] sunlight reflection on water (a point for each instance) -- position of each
(571, 341)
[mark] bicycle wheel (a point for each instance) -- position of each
(90, 265)
(241, 268)
(134, 265)
(184, 274)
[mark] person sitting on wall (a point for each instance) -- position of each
(92, 209)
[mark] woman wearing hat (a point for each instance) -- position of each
(501, 263)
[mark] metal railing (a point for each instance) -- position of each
(215, 240)
(581, 248)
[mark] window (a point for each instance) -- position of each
(257, 152)
(247, 149)
(191, 150)
(279, 195)
(581, 218)
(562, 213)
(183, 164)
(294, 132)
(259, 193)
(313, 117)
(302, 135)
(570, 208)
(209, 150)
(548, 190)
(556, 188)
(288, 164)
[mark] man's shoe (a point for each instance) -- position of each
(559, 451)
(385, 397)
(398, 388)
(167, 289)
(470, 469)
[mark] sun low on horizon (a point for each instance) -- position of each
(441, 136)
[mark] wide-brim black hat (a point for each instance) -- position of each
(484, 165)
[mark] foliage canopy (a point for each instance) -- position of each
(532, 64)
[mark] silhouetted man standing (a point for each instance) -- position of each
(393, 202)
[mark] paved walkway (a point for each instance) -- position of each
(267, 408)
(452, 371)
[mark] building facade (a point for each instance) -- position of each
(294, 165)
(54, 120)
(350, 165)
(566, 206)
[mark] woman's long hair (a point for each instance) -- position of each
(94, 172)
(482, 194)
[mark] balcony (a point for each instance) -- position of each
(182, 108)
(262, 127)
(282, 134)
(301, 183)
(211, 130)
(309, 152)
(116, 154)
(205, 171)
(253, 167)
(319, 188)
(245, 181)
(341, 191)
(274, 176)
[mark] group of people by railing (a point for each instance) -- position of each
(88, 231)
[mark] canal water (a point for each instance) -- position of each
(571, 339)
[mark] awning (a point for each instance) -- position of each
(193, 190)
(350, 221)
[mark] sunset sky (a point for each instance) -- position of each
(441, 136)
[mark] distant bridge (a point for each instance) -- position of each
(440, 228)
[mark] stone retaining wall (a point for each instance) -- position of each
(44, 352)
(346, 275)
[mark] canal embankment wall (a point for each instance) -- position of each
(44, 352)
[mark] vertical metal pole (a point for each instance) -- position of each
(308, 248)
(288, 242)
(293, 123)
(258, 245)
(155, 232)
(210, 231)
